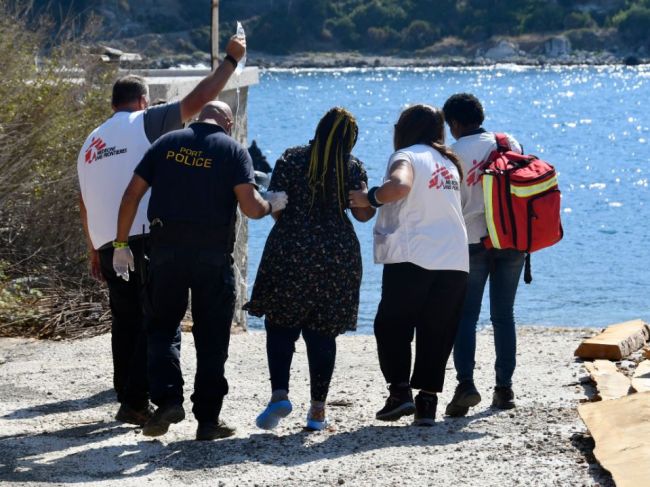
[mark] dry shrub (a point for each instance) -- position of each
(54, 93)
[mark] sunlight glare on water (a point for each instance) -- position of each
(592, 123)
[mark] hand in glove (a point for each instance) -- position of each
(123, 262)
(277, 199)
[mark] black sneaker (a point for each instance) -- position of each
(399, 403)
(425, 409)
(127, 414)
(503, 398)
(164, 416)
(464, 398)
(214, 430)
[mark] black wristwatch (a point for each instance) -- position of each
(231, 60)
(372, 199)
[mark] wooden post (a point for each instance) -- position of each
(214, 34)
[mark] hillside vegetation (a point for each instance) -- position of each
(46, 116)
(373, 26)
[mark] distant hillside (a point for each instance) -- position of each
(180, 28)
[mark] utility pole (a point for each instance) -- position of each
(214, 34)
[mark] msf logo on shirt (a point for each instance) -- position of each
(97, 150)
(96, 145)
(443, 179)
(475, 173)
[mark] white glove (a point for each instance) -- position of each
(123, 262)
(277, 199)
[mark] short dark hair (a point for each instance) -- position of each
(128, 89)
(465, 109)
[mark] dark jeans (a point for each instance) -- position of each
(427, 303)
(128, 339)
(321, 355)
(503, 267)
(209, 275)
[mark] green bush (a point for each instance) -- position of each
(343, 31)
(634, 24)
(419, 34)
(49, 108)
(579, 20)
(379, 14)
(543, 18)
(201, 38)
(381, 37)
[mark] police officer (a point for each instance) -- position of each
(197, 176)
(105, 167)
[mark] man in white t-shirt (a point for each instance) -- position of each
(464, 115)
(105, 166)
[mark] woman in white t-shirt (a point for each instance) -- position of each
(420, 238)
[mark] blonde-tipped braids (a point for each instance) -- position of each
(335, 137)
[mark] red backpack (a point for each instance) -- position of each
(522, 202)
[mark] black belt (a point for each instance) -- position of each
(189, 234)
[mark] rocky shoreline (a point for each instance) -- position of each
(352, 59)
(570, 49)
(318, 60)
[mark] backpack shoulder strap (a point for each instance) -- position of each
(503, 143)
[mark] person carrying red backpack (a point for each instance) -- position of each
(464, 115)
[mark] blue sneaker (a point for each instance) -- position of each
(274, 412)
(316, 420)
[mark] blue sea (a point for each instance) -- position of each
(592, 123)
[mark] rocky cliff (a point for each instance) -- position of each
(172, 32)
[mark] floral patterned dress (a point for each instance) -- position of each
(310, 272)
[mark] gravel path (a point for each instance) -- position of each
(56, 425)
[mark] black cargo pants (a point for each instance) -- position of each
(174, 271)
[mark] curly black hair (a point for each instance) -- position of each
(465, 109)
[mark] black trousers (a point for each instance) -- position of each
(174, 271)
(128, 338)
(321, 355)
(427, 303)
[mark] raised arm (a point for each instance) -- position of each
(210, 87)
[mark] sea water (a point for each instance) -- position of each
(592, 123)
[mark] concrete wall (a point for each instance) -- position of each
(174, 84)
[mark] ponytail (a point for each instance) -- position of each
(451, 155)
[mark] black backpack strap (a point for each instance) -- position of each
(528, 274)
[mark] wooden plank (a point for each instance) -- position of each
(641, 379)
(616, 342)
(621, 429)
(611, 383)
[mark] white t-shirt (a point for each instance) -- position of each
(426, 228)
(473, 151)
(105, 168)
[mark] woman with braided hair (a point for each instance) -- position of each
(310, 273)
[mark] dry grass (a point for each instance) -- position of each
(54, 93)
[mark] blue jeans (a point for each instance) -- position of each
(503, 267)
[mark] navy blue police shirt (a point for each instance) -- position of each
(192, 173)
